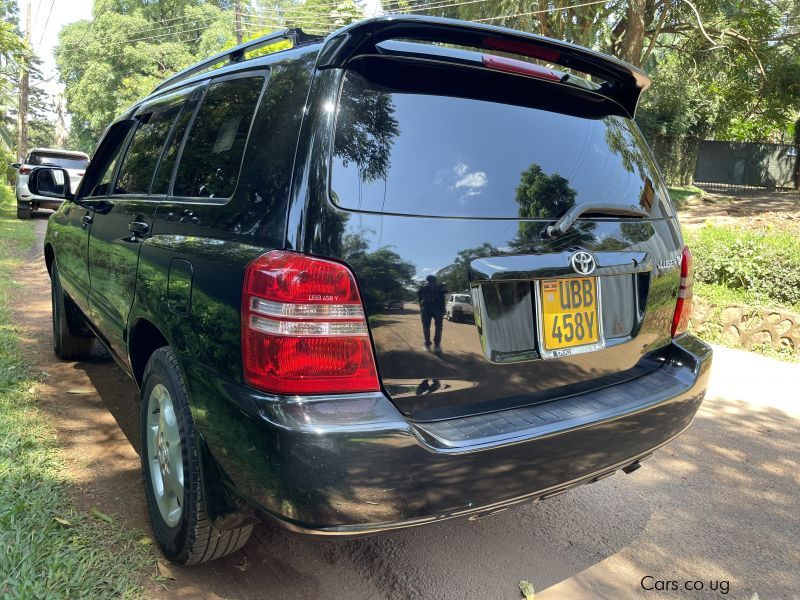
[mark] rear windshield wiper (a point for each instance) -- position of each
(568, 219)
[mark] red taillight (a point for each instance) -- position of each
(522, 48)
(303, 327)
(24, 170)
(80, 173)
(683, 307)
(519, 67)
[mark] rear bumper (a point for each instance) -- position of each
(377, 471)
(40, 201)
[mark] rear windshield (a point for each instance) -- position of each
(58, 160)
(464, 299)
(432, 155)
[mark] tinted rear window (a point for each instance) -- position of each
(58, 160)
(433, 155)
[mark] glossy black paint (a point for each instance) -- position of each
(179, 283)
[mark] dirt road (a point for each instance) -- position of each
(722, 503)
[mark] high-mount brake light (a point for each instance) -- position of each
(521, 48)
(519, 67)
(303, 327)
(683, 306)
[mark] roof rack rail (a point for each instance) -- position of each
(237, 53)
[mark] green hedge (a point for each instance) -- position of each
(765, 264)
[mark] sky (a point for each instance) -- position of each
(44, 31)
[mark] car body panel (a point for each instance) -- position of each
(344, 479)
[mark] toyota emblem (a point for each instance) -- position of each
(583, 263)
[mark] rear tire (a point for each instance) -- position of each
(65, 345)
(23, 210)
(173, 477)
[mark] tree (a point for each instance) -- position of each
(12, 51)
(116, 58)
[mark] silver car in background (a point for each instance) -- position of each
(459, 307)
(74, 163)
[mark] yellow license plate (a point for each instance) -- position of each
(569, 312)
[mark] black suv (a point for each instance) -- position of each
(240, 233)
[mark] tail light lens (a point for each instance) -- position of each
(24, 170)
(683, 308)
(303, 327)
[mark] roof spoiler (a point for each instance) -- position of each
(624, 83)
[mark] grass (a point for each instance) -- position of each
(755, 269)
(680, 195)
(49, 550)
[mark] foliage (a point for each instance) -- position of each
(680, 195)
(764, 264)
(12, 50)
(49, 549)
(128, 47)
(384, 275)
(112, 61)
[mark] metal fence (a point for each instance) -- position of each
(743, 166)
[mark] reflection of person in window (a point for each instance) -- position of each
(431, 304)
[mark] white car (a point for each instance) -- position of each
(459, 307)
(74, 163)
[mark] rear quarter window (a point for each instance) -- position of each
(432, 155)
(212, 153)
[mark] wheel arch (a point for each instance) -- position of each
(144, 339)
(49, 257)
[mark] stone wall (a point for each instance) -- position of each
(748, 326)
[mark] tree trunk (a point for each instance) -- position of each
(633, 37)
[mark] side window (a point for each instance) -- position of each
(102, 187)
(212, 155)
(167, 164)
(101, 169)
(139, 164)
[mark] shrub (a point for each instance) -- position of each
(763, 263)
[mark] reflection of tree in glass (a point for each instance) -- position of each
(542, 196)
(383, 274)
(620, 140)
(366, 128)
(455, 276)
(637, 232)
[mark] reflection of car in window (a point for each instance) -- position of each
(244, 236)
(459, 307)
(74, 163)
